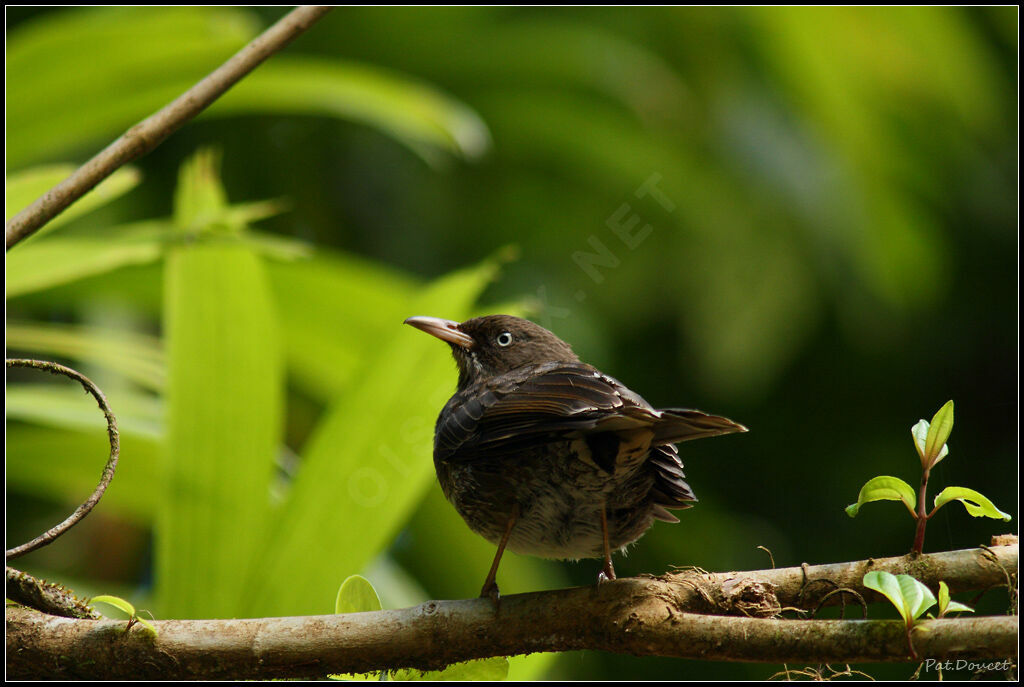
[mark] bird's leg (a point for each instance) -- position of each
(608, 572)
(490, 589)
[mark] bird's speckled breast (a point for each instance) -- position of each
(560, 492)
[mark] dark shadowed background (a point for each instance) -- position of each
(803, 219)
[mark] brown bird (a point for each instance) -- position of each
(545, 455)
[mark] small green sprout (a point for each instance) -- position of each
(125, 607)
(912, 598)
(946, 605)
(930, 441)
(357, 595)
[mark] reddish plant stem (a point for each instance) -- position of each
(910, 643)
(922, 515)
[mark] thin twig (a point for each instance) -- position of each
(108, 470)
(843, 590)
(150, 132)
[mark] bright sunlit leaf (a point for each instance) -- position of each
(80, 78)
(910, 597)
(884, 488)
(946, 605)
(137, 356)
(975, 503)
(369, 460)
(55, 260)
(62, 465)
(356, 595)
(115, 601)
(224, 402)
(412, 112)
(25, 186)
(938, 432)
(67, 407)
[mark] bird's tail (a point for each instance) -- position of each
(677, 424)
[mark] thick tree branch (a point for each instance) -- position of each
(763, 592)
(150, 132)
(640, 616)
(48, 597)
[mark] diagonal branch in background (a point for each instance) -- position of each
(152, 131)
(639, 616)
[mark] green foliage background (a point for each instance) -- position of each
(832, 255)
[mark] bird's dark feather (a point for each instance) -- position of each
(604, 449)
(538, 403)
(531, 405)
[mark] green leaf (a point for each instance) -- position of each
(200, 202)
(957, 607)
(917, 597)
(76, 79)
(84, 76)
(410, 111)
(278, 247)
(356, 595)
(124, 606)
(68, 408)
(368, 461)
(938, 432)
(137, 356)
(884, 488)
(241, 214)
(947, 606)
(57, 260)
(61, 465)
(943, 597)
(484, 669)
(919, 432)
(975, 503)
(115, 601)
(910, 597)
(24, 187)
(334, 310)
(224, 404)
(54, 260)
(146, 624)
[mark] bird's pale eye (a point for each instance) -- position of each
(504, 339)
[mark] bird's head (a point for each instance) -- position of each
(495, 344)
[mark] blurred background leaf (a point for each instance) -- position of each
(25, 186)
(225, 397)
(831, 202)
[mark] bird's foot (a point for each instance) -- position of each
(490, 591)
(607, 573)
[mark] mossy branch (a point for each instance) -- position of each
(639, 616)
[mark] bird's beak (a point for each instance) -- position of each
(446, 330)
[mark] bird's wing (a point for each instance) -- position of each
(538, 403)
(533, 404)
